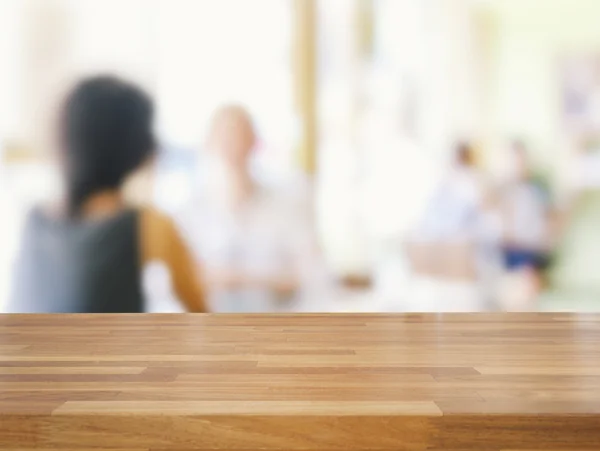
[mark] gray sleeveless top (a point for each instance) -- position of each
(68, 266)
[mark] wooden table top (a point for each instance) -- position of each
(300, 382)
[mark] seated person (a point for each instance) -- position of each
(255, 241)
(86, 253)
(526, 220)
(453, 212)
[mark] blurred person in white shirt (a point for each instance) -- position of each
(454, 210)
(256, 241)
(456, 242)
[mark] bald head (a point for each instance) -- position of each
(232, 135)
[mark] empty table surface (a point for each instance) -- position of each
(300, 382)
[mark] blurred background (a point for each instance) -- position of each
(442, 155)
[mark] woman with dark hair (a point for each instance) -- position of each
(86, 254)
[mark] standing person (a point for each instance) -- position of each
(526, 217)
(86, 253)
(255, 240)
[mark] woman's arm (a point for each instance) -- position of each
(161, 241)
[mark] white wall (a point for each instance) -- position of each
(44, 45)
(191, 54)
(529, 39)
(11, 33)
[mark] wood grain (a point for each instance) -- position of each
(300, 382)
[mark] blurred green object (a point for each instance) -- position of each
(574, 279)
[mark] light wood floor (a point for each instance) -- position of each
(286, 382)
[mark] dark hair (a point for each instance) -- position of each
(464, 154)
(106, 133)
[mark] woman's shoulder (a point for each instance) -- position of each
(49, 211)
(157, 230)
(155, 222)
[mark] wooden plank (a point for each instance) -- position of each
(300, 382)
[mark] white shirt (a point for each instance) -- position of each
(527, 222)
(270, 234)
(455, 208)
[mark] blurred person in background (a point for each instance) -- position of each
(526, 215)
(454, 247)
(254, 240)
(454, 210)
(85, 253)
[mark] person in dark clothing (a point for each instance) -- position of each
(85, 254)
(526, 210)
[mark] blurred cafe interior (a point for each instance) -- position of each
(400, 155)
